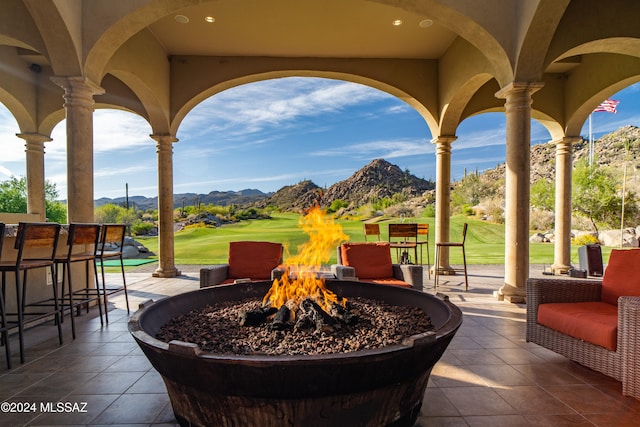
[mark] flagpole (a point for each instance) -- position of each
(590, 142)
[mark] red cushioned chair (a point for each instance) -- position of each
(248, 260)
(371, 262)
(592, 322)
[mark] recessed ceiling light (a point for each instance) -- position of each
(210, 19)
(397, 22)
(181, 19)
(425, 23)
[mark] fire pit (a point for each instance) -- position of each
(380, 387)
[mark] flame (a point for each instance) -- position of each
(324, 236)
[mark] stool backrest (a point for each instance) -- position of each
(37, 235)
(83, 234)
(112, 234)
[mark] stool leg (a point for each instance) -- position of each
(464, 260)
(65, 268)
(5, 330)
(19, 310)
(56, 306)
(99, 304)
(428, 261)
(124, 285)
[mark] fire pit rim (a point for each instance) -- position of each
(449, 326)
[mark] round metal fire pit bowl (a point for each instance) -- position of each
(382, 387)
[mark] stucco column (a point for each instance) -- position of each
(562, 238)
(443, 197)
(35, 172)
(79, 105)
(166, 265)
(517, 188)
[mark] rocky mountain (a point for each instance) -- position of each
(220, 198)
(376, 180)
(609, 151)
(295, 197)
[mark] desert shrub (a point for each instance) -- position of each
(495, 210)
(400, 211)
(141, 228)
(429, 211)
(540, 219)
(586, 239)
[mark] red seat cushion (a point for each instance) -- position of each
(371, 260)
(253, 260)
(622, 275)
(594, 322)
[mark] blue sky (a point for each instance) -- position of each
(269, 134)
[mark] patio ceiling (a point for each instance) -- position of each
(282, 28)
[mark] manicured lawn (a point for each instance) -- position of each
(484, 244)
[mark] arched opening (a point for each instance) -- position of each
(277, 132)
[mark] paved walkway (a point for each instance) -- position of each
(489, 376)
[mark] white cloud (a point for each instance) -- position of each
(387, 149)
(254, 107)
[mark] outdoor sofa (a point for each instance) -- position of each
(595, 323)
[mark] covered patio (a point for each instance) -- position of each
(489, 375)
(550, 60)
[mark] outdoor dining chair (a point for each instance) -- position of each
(404, 237)
(371, 230)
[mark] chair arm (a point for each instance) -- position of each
(213, 275)
(410, 273)
(343, 272)
(629, 344)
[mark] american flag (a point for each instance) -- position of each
(607, 106)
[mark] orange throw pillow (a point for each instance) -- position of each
(253, 260)
(370, 260)
(622, 275)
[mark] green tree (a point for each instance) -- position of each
(13, 199)
(595, 195)
(543, 195)
(110, 213)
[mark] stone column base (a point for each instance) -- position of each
(445, 270)
(166, 273)
(510, 294)
(560, 269)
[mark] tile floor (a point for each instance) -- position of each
(489, 375)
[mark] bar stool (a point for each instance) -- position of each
(423, 230)
(436, 267)
(4, 326)
(36, 245)
(111, 244)
(85, 236)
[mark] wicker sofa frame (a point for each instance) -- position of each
(622, 364)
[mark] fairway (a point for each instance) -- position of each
(484, 244)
